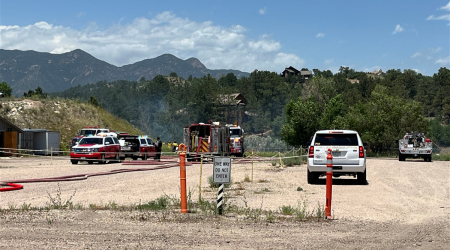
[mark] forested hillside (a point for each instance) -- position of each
(381, 107)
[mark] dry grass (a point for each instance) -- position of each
(63, 115)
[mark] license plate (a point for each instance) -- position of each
(125, 148)
(83, 157)
(337, 167)
(335, 153)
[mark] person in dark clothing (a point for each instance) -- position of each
(158, 148)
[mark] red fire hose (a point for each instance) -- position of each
(77, 177)
(12, 187)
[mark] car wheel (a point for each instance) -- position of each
(401, 157)
(90, 162)
(311, 177)
(103, 161)
(122, 158)
(117, 158)
(74, 162)
(362, 177)
(134, 158)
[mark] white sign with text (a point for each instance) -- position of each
(222, 170)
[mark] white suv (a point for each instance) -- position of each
(349, 156)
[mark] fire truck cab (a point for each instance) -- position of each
(207, 139)
(237, 140)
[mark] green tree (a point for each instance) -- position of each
(93, 101)
(5, 89)
(384, 118)
(302, 120)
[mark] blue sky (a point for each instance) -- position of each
(242, 35)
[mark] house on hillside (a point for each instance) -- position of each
(304, 74)
(233, 107)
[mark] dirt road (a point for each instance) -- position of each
(405, 205)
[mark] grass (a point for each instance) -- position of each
(73, 115)
(216, 185)
(301, 211)
(441, 157)
(57, 202)
(262, 191)
(166, 205)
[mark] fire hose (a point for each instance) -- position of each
(13, 186)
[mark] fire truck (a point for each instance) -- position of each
(237, 140)
(415, 145)
(85, 131)
(207, 139)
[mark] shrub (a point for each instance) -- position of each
(216, 185)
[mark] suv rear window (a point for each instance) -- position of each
(336, 140)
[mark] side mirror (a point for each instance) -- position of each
(107, 143)
(76, 143)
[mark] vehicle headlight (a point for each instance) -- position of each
(95, 150)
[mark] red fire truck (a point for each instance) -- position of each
(237, 140)
(207, 139)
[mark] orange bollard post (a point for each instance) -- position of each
(329, 185)
(182, 150)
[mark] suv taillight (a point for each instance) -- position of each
(311, 152)
(361, 152)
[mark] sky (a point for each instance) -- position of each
(241, 35)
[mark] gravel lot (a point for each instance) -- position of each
(405, 205)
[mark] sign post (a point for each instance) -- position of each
(329, 185)
(221, 175)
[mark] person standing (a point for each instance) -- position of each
(169, 145)
(158, 148)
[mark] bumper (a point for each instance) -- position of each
(131, 154)
(95, 155)
(337, 168)
(416, 155)
(235, 150)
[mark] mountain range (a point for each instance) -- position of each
(26, 70)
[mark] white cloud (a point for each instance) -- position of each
(444, 61)
(81, 13)
(216, 46)
(398, 29)
(371, 69)
(416, 55)
(445, 17)
(320, 35)
(435, 50)
(446, 7)
(263, 11)
(328, 61)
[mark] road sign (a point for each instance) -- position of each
(222, 170)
